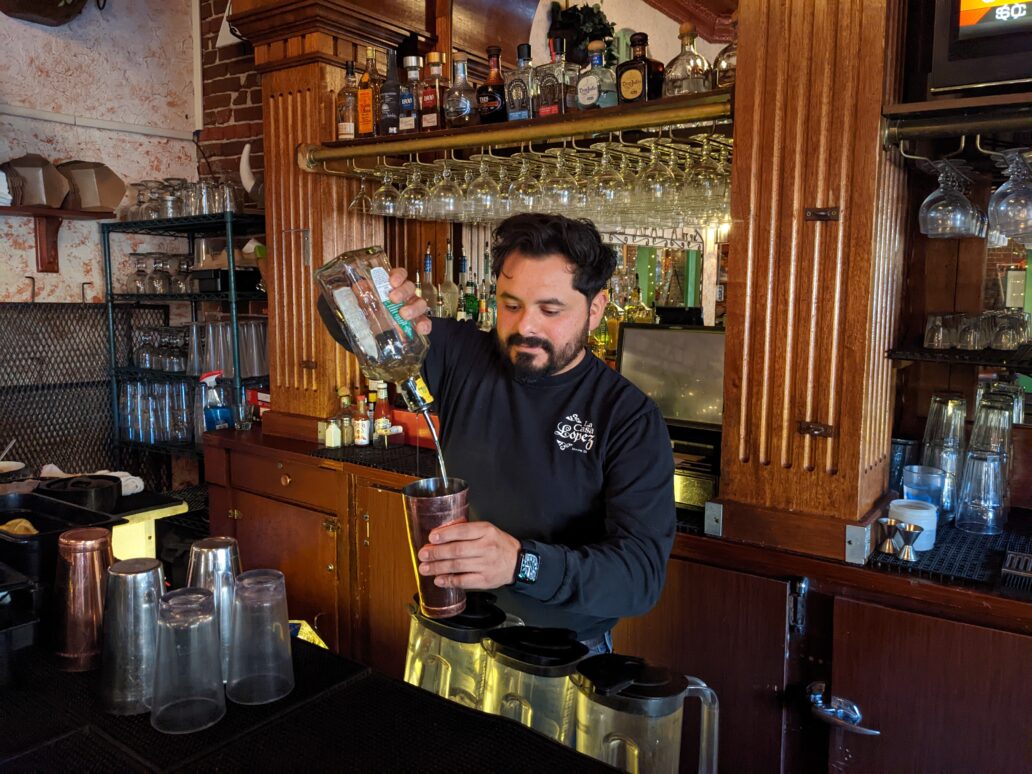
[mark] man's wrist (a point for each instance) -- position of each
(528, 565)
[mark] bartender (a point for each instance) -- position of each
(569, 465)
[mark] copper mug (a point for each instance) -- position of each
(83, 558)
(431, 503)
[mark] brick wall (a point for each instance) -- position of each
(231, 98)
(998, 259)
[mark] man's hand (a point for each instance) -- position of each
(471, 555)
(414, 308)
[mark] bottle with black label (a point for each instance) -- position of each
(390, 99)
(639, 78)
(491, 93)
(411, 90)
(556, 82)
(520, 87)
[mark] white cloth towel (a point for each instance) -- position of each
(130, 484)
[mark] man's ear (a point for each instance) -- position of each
(596, 308)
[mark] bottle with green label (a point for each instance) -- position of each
(356, 286)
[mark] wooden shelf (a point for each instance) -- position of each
(47, 222)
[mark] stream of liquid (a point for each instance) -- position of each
(437, 443)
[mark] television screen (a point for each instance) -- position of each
(682, 369)
(988, 18)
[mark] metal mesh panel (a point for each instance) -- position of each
(55, 395)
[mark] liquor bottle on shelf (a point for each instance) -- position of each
(636, 310)
(439, 311)
(369, 95)
(596, 87)
(520, 86)
(688, 72)
(431, 109)
(727, 60)
(429, 289)
(460, 101)
(382, 419)
(390, 99)
(448, 290)
(612, 316)
(491, 93)
(470, 297)
(360, 423)
(556, 82)
(346, 104)
(419, 285)
(484, 322)
(639, 78)
(408, 117)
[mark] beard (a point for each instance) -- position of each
(524, 369)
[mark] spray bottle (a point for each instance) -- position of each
(217, 416)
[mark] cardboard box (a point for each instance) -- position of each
(94, 186)
(42, 184)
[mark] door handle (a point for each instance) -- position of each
(834, 711)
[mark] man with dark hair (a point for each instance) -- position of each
(569, 465)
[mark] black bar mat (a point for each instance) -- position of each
(958, 557)
(407, 460)
(383, 725)
(79, 751)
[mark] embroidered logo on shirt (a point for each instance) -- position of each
(575, 434)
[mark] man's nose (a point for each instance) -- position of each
(527, 324)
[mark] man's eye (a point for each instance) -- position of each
(511, 308)
(550, 312)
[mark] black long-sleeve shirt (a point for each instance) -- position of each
(577, 466)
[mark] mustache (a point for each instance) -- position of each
(516, 340)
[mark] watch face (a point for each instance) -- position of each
(529, 564)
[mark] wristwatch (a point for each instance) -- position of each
(527, 565)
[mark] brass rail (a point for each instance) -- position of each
(672, 111)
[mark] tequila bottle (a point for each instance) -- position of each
(520, 86)
(431, 109)
(346, 104)
(390, 99)
(491, 93)
(557, 82)
(688, 72)
(369, 96)
(612, 316)
(408, 117)
(596, 87)
(449, 291)
(461, 99)
(636, 310)
(727, 60)
(639, 78)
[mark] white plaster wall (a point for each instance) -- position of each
(131, 63)
(625, 14)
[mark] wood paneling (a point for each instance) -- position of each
(730, 630)
(477, 24)
(812, 305)
(301, 482)
(947, 697)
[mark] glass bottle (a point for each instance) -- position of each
(636, 310)
(356, 285)
(138, 281)
(369, 95)
(382, 420)
(612, 316)
(390, 99)
(491, 93)
(596, 87)
(347, 104)
(344, 418)
(639, 78)
(460, 100)
(408, 118)
(361, 423)
(448, 290)
(469, 297)
(688, 72)
(431, 109)
(556, 82)
(727, 60)
(483, 316)
(429, 288)
(520, 86)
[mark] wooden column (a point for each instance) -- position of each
(812, 304)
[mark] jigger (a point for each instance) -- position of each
(889, 527)
(908, 533)
(214, 565)
(134, 588)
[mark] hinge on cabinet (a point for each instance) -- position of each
(331, 526)
(797, 605)
(821, 213)
(815, 429)
(234, 514)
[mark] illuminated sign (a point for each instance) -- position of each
(984, 18)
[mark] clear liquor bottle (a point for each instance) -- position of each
(639, 78)
(390, 99)
(520, 86)
(460, 101)
(431, 109)
(429, 288)
(449, 291)
(408, 116)
(491, 93)
(689, 72)
(726, 63)
(556, 82)
(596, 87)
(369, 95)
(346, 104)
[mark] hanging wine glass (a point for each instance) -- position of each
(386, 198)
(525, 191)
(1010, 207)
(482, 196)
(361, 203)
(415, 199)
(446, 198)
(946, 213)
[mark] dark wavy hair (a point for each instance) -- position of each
(538, 235)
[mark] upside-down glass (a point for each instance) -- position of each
(260, 666)
(360, 202)
(940, 332)
(972, 332)
(947, 213)
(982, 494)
(188, 692)
(415, 199)
(386, 199)
(1010, 207)
(446, 199)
